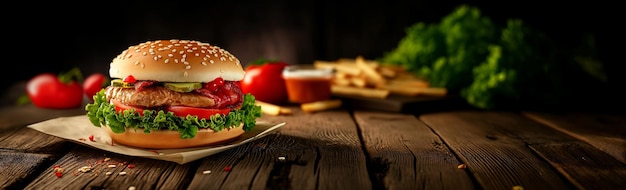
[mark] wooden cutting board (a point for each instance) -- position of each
(404, 104)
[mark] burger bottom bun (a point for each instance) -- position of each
(166, 139)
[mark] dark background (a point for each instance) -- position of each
(52, 37)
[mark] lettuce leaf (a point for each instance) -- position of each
(101, 113)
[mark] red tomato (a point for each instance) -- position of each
(119, 107)
(180, 111)
(183, 111)
(265, 82)
(94, 83)
(46, 90)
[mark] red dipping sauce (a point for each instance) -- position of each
(306, 83)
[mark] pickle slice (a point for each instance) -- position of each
(121, 83)
(182, 86)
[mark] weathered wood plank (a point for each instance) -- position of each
(29, 140)
(416, 157)
(249, 166)
(606, 132)
(585, 166)
(17, 176)
(20, 116)
(335, 156)
(493, 145)
(141, 173)
(227, 170)
(322, 151)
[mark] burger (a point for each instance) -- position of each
(174, 94)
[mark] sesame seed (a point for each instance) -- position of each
(204, 63)
(188, 67)
(144, 53)
(211, 61)
(170, 55)
(136, 62)
(167, 60)
(156, 58)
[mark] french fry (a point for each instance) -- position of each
(271, 109)
(320, 105)
(387, 72)
(362, 92)
(341, 68)
(371, 79)
(358, 82)
(370, 72)
(342, 81)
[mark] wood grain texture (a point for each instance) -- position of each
(583, 165)
(16, 176)
(494, 147)
(231, 169)
(20, 116)
(606, 132)
(29, 140)
(141, 173)
(416, 157)
(323, 150)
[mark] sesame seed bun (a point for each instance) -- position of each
(167, 139)
(176, 61)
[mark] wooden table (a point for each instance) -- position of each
(345, 149)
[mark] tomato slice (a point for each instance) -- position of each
(180, 111)
(183, 111)
(119, 107)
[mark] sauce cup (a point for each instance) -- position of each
(305, 83)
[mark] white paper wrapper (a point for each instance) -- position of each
(79, 129)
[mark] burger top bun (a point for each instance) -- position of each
(176, 61)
